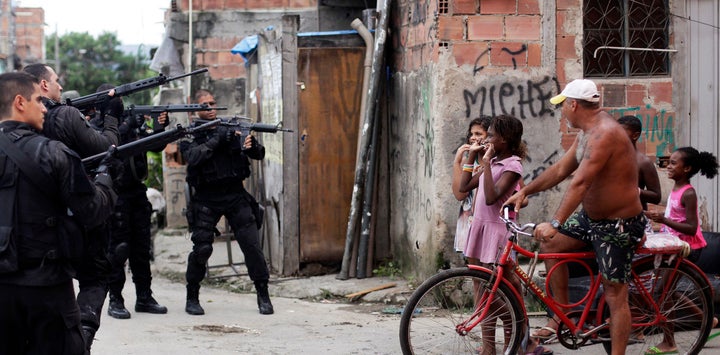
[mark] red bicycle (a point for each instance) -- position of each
(466, 310)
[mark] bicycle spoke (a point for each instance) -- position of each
(683, 300)
(440, 317)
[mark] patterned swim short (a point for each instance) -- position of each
(613, 240)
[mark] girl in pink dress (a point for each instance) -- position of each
(501, 153)
(681, 214)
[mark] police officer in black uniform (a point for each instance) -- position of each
(130, 224)
(217, 164)
(68, 125)
(42, 182)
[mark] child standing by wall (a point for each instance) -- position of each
(681, 214)
(501, 153)
(477, 132)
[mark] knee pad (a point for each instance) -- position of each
(203, 252)
(120, 253)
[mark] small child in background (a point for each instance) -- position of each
(681, 214)
(477, 131)
(648, 180)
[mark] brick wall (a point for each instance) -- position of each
(30, 34)
(489, 33)
(214, 53)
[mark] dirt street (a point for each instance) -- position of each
(232, 325)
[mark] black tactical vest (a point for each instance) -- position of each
(228, 163)
(43, 227)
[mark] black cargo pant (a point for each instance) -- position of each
(40, 320)
(239, 208)
(92, 275)
(130, 239)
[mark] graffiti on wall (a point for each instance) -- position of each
(529, 100)
(532, 173)
(477, 67)
(657, 126)
(427, 136)
(413, 155)
(513, 53)
(523, 98)
(175, 195)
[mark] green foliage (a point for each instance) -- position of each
(155, 171)
(440, 262)
(87, 62)
(388, 269)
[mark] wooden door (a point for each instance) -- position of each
(329, 95)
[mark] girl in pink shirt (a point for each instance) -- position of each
(681, 214)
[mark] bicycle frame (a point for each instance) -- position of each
(505, 261)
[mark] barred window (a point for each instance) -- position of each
(635, 24)
(443, 6)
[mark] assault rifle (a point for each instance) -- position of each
(155, 111)
(83, 103)
(134, 111)
(144, 144)
(240, 124)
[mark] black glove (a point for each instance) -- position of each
(110, 164)
(134, 121)
(112, 106)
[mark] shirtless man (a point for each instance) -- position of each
(604, 178)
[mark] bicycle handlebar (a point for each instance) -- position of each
(514, 227)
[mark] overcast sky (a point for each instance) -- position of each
(132, 21)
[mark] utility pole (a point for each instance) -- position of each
(57, 50)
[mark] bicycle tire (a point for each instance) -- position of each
(429, 319)
(691, 321)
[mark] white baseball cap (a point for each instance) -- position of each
(581, 89)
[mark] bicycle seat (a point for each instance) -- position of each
(664, 243)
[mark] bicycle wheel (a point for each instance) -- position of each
(430, 320)
(684, 300)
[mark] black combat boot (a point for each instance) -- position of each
(146, 303)
(116, 307)
(263, 297)
(192, 305)
(89, 334)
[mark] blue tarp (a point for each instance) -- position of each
(246, 47)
